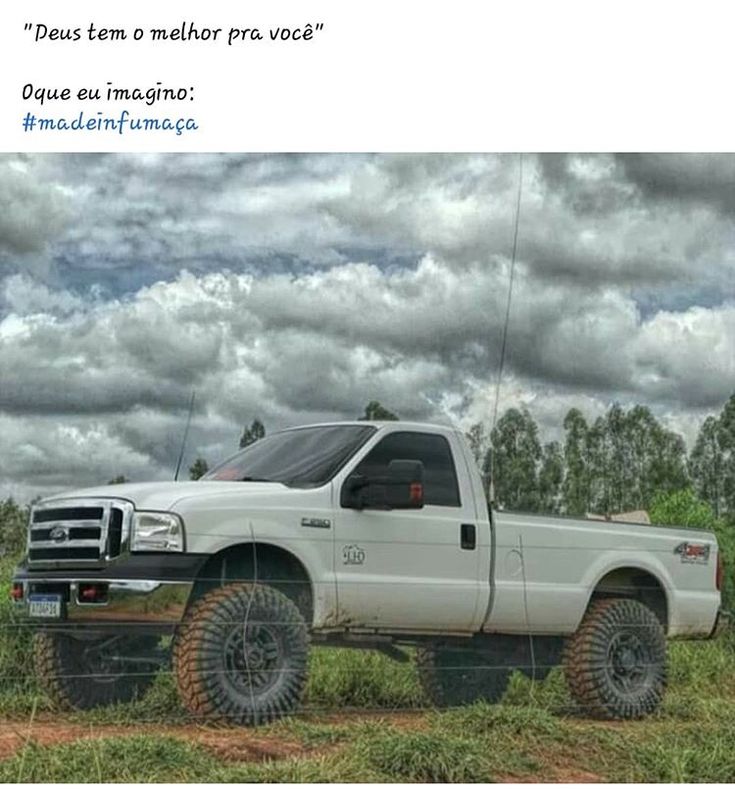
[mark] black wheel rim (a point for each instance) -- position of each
(629, 664)
(252, 657)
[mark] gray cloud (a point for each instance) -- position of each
(32, 213)
(296, 288)
(692, 177)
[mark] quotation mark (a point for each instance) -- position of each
(28, 26)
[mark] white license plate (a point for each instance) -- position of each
(44, 606)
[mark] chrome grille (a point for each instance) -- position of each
(68, 532)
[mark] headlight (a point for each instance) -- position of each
(157, 531)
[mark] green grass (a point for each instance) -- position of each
(130, 759)
(19, 690)
(426, 757)
(535, 734)
(502, 721)
(340, 678)
(697, 754)
(475, 743)
(156, 759)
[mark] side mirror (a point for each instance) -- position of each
(402, 488)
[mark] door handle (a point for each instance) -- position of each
(467, 537)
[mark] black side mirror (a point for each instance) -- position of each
(402, 488)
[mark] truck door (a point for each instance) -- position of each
(411, 569)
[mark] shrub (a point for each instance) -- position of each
(13, 523)
(684, 508)
(18, 687)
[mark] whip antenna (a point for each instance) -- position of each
(504, 341)
(186, 434)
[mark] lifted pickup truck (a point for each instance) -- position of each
(371, 535)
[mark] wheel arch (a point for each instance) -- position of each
(258, 560)
(637, 581)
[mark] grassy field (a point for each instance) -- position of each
(365, 719)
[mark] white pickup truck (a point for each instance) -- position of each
(371, 535)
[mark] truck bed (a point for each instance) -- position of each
(545, 569)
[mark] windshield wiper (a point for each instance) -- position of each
(256, 479)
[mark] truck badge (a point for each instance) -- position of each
(316, 523)
(59, 534)
(693, 552)
(353, 554)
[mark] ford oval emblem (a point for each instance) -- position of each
(59, 534)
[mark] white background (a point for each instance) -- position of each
(400, 75)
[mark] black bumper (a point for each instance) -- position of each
(136, 566)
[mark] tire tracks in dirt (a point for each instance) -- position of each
(228, 744)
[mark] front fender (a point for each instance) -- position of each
(315, 554)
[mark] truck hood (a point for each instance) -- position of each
(164, 495)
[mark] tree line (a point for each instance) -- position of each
(619, 462)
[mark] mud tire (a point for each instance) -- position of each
(80, 674)
(615, 664)
(240, 655)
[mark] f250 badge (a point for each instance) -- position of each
(693, 552)
(353, 554)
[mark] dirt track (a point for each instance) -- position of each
(229, 744)
(251, 745)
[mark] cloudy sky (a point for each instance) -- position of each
(297, 288)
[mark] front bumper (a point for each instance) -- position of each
(145, 589)
(124, 601)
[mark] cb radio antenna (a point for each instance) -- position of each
(506, 322)
(186, 434)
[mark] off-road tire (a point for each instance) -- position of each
(452, 675)
(80, 674)
(241, 655)
(615, 664)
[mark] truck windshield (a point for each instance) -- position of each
(305, 457)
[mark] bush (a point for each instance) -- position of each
(18, 687)
(13, 524)
(684, 508)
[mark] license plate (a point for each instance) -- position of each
(45, 606)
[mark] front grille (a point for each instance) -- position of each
(75, 533)
(63, 554)
(115, 531)
(69, 514)
(91, 533)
